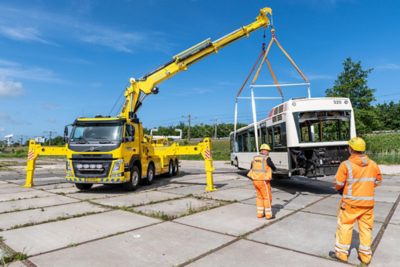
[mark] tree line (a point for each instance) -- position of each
(352, 82)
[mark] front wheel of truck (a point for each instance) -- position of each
(84, 187)
(135, 179)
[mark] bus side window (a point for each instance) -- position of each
(270, 137)
(283, 134)
(277, 136)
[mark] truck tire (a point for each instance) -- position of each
(170, 168)
(151, 173)
(133, 184)
(176, 168)
(83, 187)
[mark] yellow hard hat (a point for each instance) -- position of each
(265, 147)
(357, 144)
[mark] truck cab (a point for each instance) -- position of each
(111, 150)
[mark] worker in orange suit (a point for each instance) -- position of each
(356, 180)
(261, 174)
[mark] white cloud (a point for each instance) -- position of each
(388, 66)
(4, 62)
(29, 73)
(10, 88)
(35, 25)
(29, 34)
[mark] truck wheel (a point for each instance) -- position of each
(151, 172)
(171, 168)
(135, 179)
(176, 168)
(83, 187)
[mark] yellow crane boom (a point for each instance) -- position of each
(138, 89)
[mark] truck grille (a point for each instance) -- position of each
(92, 168)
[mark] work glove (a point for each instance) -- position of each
(340, 191)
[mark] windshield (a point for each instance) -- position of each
(96, 133)
(323, 126)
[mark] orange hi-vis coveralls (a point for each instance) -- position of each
(261, 174)
(357, 178)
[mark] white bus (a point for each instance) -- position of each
(308, 136)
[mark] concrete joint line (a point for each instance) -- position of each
(379, 236)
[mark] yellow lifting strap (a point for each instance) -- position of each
(266, 61)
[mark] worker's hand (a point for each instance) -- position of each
(340, 191)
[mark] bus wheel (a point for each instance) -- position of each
(135, 179)
(151, 172)
(235, 163)
(83, 187)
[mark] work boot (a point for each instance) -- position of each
(269, 217)
(365, 259)
(338, 256)
(260, 216)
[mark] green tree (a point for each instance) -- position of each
(352, 82)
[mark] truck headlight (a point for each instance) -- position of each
(117, 165)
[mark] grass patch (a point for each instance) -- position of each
(17, 256)
(220, 151)
(384, 148)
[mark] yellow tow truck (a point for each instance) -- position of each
(104, 150)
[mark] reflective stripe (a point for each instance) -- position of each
(339, 183)
(378, 181)
(260, 212)
(268, 209)
(341, 250)
(342, 246)
(367, 248)
(364, 160)
(350, 179)
(363, 180)
(358, 198)
(364, 250)
(260, 208)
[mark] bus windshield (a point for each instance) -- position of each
(323, 126)
(96, 133)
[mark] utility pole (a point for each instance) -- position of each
(189, 117)
(50, 133)
(216, 128)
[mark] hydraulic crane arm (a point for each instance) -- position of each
(138, 89)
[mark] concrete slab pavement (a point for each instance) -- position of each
(177, 208)
(396, 216)
(136, 199)
(51, 236)
(247, 253)
(165, 244)
(388, 251)
(31, 193)
(233, 219)
(308, 233)
(231, 194)
(24, 204)
(40, 215)
(329, 206)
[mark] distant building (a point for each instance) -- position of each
(9, 139)
(40, 139)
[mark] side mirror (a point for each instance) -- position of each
(66, 139)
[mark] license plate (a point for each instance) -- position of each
(91, 180)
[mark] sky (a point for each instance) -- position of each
(60, 60)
